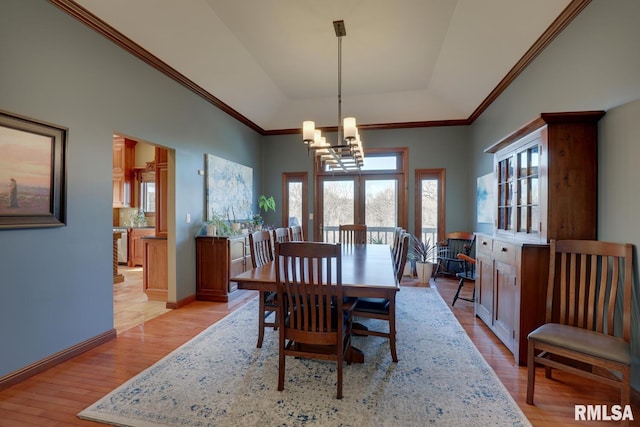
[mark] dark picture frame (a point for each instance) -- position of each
(32, 173)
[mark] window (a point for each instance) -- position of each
(430, 207)
(295, 210)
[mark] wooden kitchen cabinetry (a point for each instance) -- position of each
(123, 164)
(546, 188)
(217, 260)
(155, 273)
(136, 245)
(162, 190)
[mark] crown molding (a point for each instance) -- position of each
(98, 25)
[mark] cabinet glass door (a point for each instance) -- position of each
(505, 193)
(528, 203)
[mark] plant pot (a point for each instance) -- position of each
(424, 270)
(236, 226)
(211, 230)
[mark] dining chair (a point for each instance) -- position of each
(458, 242)
(384, 308)
(468, 274)
(281, 235)
(296, 234)
(261, 254)
(588, 317)
(352, 233)
(316, 322)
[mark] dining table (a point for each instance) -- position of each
(367, 271)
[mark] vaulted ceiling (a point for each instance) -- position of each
(274, 63)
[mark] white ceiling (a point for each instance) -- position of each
(275, 61)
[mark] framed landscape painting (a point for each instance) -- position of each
(32, 173)
(229, 187)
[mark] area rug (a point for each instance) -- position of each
(220, 378)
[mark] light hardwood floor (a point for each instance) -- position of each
(54, 397)
(131, 306)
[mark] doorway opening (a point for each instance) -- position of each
(143, 206)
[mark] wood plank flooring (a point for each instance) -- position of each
(131, 306)
(54, 397)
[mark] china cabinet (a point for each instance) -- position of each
(546, 188)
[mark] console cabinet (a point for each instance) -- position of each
(546, 188)
(217, 260)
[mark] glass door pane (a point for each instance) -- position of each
(380, 209)
(294, 193)
(338, 207)
(429, 214)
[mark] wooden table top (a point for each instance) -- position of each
(367, 270)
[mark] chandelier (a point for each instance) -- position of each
(346, 154)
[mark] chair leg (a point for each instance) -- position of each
(457, 295)
(531, 372)
(392, 329)
(281, 363)
(261, 320)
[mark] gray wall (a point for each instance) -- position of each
(56, 284)
(593, 65)
(444, 147)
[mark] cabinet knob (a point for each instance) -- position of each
(484, 243)
(503, 249)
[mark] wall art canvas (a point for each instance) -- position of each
(229, 188)
(484, 197)
(32, 173)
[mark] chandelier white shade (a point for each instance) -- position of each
(347, 153)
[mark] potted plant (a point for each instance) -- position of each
(215, 225)
(266, 203)
(423, 253)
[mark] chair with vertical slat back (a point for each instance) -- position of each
(296, 234)
(352, 234)
(382, 308)
(261, 254)
(316, 322)
(589, 290)
(281, 235)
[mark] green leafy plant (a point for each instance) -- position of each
(266, 203)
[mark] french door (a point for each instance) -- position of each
(376, 198)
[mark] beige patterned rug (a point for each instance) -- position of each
(220, 378)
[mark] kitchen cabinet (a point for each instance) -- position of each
(136, 245)
(162, 184)
(123, 164)
(155, 273)
(546, 188)
(217, 260)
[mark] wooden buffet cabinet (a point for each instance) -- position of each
(217, 260)
(546, 188)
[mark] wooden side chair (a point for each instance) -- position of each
(281, 235)
(382, 308)
(261, 254)
(588, 319)
(296, 234)
(316, 322)
(468, 274)
(458, 242)
(352, 234)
